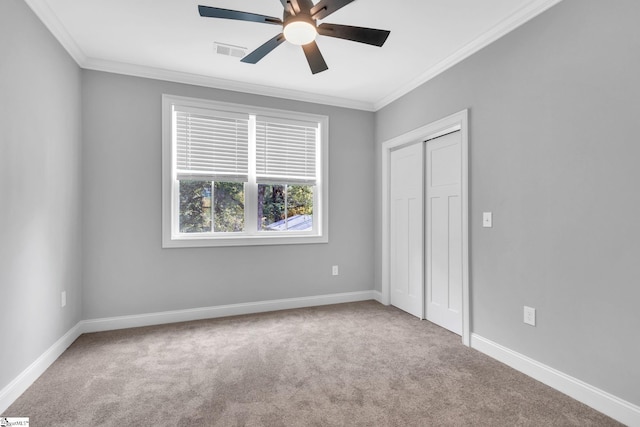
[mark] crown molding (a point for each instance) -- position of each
(53, 24)
(217, 83)
(505, 26)
(46, 15)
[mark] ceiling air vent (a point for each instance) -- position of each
(229, 50)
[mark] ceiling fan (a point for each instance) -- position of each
(299, 27)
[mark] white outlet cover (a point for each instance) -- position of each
(334, 270)
(487, 219)
(530, 316)
(63, 299)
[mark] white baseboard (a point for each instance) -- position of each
(618, 409)
(377, 295)
(15, 388)
(122, 322)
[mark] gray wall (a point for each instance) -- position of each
(39, 189)
(554, 153)
(126, 271)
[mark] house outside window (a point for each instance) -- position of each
(236, 175)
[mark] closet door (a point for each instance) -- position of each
(444, 232)
(406, 229)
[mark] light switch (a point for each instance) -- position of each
(487, 220)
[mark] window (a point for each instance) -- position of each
(241, 175)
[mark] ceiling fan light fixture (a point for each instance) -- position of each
(300, 32)
(299, 27)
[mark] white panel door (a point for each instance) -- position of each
(443, 299)
(406, 229)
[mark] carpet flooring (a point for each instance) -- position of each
(357, 364)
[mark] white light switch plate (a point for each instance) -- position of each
(487, 219)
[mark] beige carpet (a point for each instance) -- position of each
(359, 364)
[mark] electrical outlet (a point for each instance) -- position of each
(487, 219)
(334, 270)
(63, 298)
(530, 316)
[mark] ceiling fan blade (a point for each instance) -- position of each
(291, 6)
(314, 58)
(326, 7)
(356, 34)
(288, 6)
(215, 12)
(263, 50)
(304, 5)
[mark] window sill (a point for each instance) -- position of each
(207, 241)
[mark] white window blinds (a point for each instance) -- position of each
(211, 145)
(286, 150)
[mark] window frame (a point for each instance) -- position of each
(172, 238)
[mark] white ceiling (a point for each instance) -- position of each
(167, 39)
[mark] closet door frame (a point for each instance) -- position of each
(457, 121)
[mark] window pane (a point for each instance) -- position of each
(229, 206)
(285, 207)
(195, 206)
